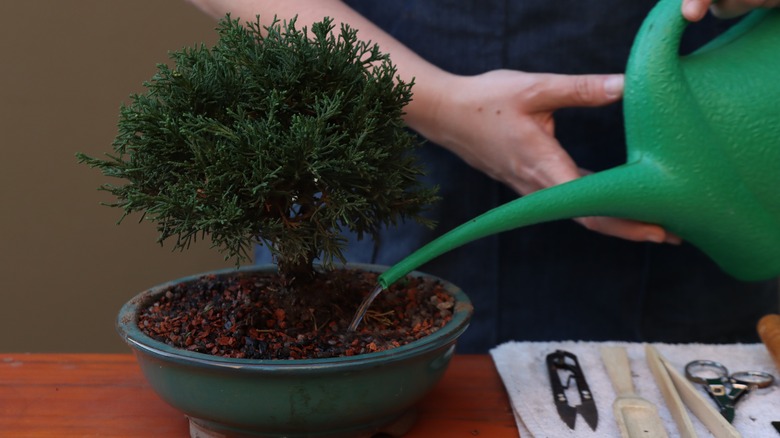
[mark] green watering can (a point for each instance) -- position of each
(703, 138)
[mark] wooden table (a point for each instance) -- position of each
(105, 395)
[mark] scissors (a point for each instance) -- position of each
(726, 389)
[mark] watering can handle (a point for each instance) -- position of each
(657, 44)
(655, 58)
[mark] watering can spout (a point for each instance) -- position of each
(703, 149)
(617, 192)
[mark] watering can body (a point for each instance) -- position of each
(703, 151)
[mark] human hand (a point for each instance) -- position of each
(695, 10)
(501, 123)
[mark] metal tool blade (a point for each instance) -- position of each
(567, 413)
(589, 412)
(587, 407)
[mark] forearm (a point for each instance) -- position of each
(430, 81)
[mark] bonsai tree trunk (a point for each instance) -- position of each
(295, 273)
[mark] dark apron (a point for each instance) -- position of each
(556, 281)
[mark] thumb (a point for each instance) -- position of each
(695, 10)
(581, 90)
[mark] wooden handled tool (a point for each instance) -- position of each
(635, 416)
(672, 397)
(769, 330)
(696, 402)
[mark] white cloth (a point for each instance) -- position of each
(523, 370)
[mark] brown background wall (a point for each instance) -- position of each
(66, 66)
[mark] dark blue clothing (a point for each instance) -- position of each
(557, 281)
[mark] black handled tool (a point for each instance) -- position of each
(562, 363)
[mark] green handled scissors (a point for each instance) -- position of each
(726, 389)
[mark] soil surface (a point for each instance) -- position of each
(251, 315)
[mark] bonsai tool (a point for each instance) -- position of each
(768, 328)
(635, 415)
(726, 389)
(673, 401)
(564, 362)
(703, 149)
(682, 389)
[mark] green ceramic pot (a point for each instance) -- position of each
(334, 397)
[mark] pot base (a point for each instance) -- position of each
(396, 429)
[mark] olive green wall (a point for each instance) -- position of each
(66, 267)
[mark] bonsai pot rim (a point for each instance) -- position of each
(127, 327)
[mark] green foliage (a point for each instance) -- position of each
(276, 136)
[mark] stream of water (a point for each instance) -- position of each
(361, 311)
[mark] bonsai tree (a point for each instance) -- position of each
(277, 136)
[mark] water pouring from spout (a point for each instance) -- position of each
(361, 311)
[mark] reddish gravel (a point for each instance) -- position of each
(252, 316)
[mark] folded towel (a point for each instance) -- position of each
(523, 370)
